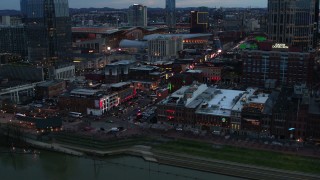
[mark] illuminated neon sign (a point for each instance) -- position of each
(280, 46)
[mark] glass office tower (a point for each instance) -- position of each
(294, 22)
(171, 13)
(48, 27)
(137, 15)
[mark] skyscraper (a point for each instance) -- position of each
(171, 13)
(48, 27)
(199, 22)
(294, 22)
(137, 15)
(13, 40)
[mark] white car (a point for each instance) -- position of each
(114, 129)
(37, 105)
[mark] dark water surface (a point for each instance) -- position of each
(56, 166)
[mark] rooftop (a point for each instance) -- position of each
(122, 62)
(144, 68)
(120, 84)
(161, 63)
(183, 36)
(125, 43)
(49, 83)
(250, 97)
(84, 92)
(220, 103)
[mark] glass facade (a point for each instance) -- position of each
(13, 40)
(137, 15)
(48, 29)
(294, 22)
(171, 13)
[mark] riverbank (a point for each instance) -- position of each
(180, 156)
(197, 163)
(229, 168)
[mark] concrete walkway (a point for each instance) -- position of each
(137, 150)
(53, 147)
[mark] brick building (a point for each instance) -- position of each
(285, 65)
(50, 89)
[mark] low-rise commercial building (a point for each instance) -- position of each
(118, 71)
(211, 73)
(96, 101)
(50, 89)
(209, 108)
(124, 91)
(145, 78)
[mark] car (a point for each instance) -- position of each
(276, 143)
(114, 129)
(109, 121)
(216, 132)
(179, 129)
(37, 105)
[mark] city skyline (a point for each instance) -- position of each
(15, 4)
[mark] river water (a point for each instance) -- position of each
(56, 166)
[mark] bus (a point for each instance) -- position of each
(75, 114)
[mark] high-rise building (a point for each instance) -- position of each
(5, 20)
(137, 15)
(199, 22)
(13, 40)
(294, 22)
(48, 29)
(164, 48)
(171, 13)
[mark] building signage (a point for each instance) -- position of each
(280, 46)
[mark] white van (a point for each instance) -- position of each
(75, 114)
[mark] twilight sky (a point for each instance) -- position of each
(15, 4)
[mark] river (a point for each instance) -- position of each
(56, 166)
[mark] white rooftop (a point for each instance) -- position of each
(120, 84)
(84, 92)
(213, 101)
(249, 97)
(221, 104)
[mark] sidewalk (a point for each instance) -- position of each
(54, 147)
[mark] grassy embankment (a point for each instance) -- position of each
(243, 155)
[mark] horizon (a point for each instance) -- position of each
(124, 4)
